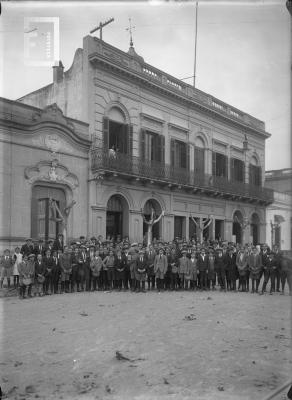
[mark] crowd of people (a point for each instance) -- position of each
(38, 269)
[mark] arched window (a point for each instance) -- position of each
(255, 174)
(199, 156)
(117, 133)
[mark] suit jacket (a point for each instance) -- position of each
(39, 249)
(202, 264)
(160, 264)
(27, 249)
(58, 245)
(184, 265)
(141, 265)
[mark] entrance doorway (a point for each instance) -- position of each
(44, 225)
(219, 229)
(179, 227)
(237, 227)
(117, 217)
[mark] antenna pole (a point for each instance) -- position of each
(196, 37)
(101, 25)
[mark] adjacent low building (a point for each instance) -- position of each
(147, 141)
(279, 213)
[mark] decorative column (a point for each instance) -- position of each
(98, 221)
(135, 226)
(228, 229)
(187, 227)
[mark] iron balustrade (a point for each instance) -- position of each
(103, 161)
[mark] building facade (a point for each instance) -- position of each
(279, 213)
(43, 156)
(158, 143)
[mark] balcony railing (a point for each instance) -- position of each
(123, 164)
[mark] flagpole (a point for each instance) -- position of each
(196, 36)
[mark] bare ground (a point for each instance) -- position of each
(181, 345)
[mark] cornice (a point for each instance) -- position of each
(174, 93)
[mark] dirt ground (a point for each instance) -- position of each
(178, 345)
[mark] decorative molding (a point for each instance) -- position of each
(52, 113)
(52, 172)
(178, 127)
(52, 142)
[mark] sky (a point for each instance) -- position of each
(243, 51)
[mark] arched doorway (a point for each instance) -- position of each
(254, 229)
(43, 225)
(117, 217)
(156, 229)
(237, 227)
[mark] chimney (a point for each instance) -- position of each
(58, 71)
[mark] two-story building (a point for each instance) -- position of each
(177, 150)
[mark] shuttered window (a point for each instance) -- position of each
(219, 164)
(152, 146)
(237, 170)
(255, 175)
(199, 160)
(179, 154)
(117, 135)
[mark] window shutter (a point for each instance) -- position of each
(130, 140)
(142, 144)
(233, 175)
(172, 152)
(162, 141)
(188, 157)
(226, 167)
(34, 217)
(242, 171)
(105, 130)
(250, 180)
(213, 163)
(259, 176)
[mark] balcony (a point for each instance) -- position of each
(165, 175)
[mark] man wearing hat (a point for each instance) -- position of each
(183, 270)
(140, 271)
(202, 265)
(150, 256)
(39, 248)
(220, 268)
(6, 267)
(160, 268)
(27, 248)
(59, 243)
(255, 267)
(241, 263)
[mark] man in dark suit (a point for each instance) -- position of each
(202, 265)
(39, 248)
(140, 272)
(59, 243)
(27, 248)
(150, 256)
